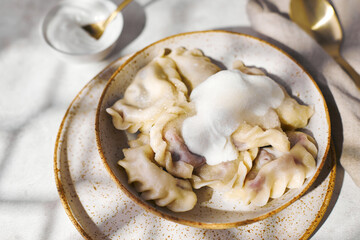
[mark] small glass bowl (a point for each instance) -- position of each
(61, 29)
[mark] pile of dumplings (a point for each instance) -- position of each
(273, 155)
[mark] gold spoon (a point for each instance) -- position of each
(97, 29)
(319, 20)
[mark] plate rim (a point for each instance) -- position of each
(58, 142)
(196, 223)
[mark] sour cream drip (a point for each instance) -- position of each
(222, 103)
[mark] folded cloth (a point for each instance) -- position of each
(270, 18)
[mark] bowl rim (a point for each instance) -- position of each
(152, 209)
(45, 20)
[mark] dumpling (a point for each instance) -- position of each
(226, 175)
(157, 141)
(271, 175)
(178, 148)
(169, 147)
(156, 88)
(247, 136)
(220, 177)
(293, 115)
(193, 66)
(303, 139)
(245, 165)
(239, 65)
(141, 140)
(154, 183)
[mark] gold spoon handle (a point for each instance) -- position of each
(114, 13)
(349, 69)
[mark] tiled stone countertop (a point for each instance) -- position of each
(36, 88)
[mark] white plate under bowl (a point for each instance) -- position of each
(99, 209)
(224, 47)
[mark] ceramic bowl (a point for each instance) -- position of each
(61, 29)
(222, 47)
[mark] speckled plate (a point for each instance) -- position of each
(222, 47)
(100, 210)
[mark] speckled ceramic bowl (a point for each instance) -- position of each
(222, 47)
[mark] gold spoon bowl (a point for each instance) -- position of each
(97, 29)
(318, 18)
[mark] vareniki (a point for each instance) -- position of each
(197, 125)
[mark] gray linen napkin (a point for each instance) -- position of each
(270, 18)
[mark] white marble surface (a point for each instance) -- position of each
(36, 88)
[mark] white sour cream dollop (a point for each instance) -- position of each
(64, 32)
(222, 103)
